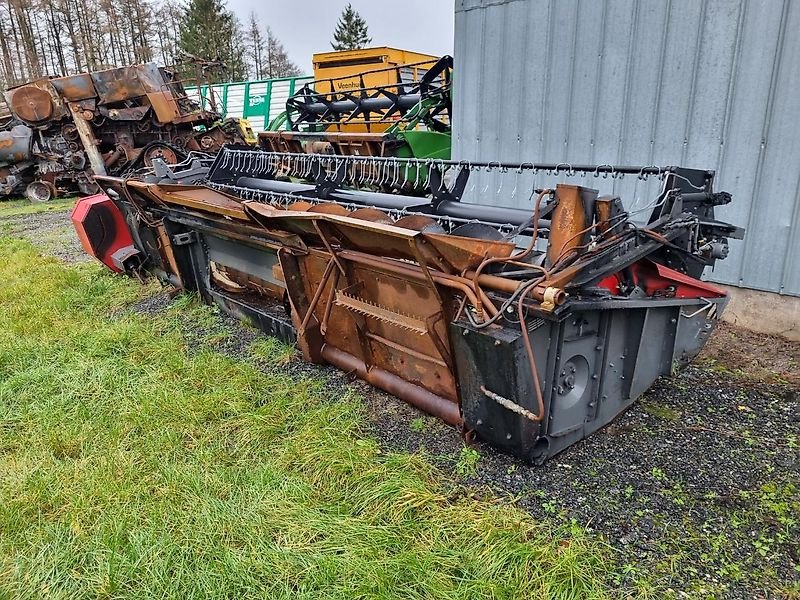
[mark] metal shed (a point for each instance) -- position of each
(700, 83)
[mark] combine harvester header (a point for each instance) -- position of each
(530, 329)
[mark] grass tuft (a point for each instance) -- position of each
(133, 466)
(16, 208)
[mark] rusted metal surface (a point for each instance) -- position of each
(419, 223)
(432, 404)
(124, 83)
(75, 88)
(32, 104)
(89, 141)
(451, 253)
(368, 314)
(111, 121)
(372, 214)
(193, 197)
(355, 144)
(570, 222)
(393, 311)
(329, 208)
(281, 141)
(609, 214)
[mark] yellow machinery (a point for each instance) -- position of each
(368, 68)
(246, 130)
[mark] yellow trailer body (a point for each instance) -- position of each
(368, 67)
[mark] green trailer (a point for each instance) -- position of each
(259, 101)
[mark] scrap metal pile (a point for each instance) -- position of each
(528, 327)
(63, 131)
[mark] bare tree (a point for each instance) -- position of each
(256, 48)
(60, 37)
(278, 63)
(22, 11)
(167, 17)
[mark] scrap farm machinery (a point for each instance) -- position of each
(528, 327)
(400, 111)
(66, 130)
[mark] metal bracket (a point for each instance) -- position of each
(439, 188)
(709, 306)
(326, 181)
(182, 239)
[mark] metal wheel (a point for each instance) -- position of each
(69, 132)
(40, 191)
(207, 142)
(161, 151)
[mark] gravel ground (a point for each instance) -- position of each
(51, 230)
(696, 488)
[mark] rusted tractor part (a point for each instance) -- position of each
(32, 104)
(70, 133)
(160, 151)
(450, 306)
(40, 191)
(101, 123)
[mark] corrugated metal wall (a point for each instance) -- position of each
(700, 83)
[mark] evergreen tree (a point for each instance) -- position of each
(210, 32)
(351, 31)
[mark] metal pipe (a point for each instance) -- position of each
(526, 340)
(404, 101)
(279, 187)
(497, 215)
(447, 410)
(556, 168)
(315, 300)
(113, 157)
(380, 200)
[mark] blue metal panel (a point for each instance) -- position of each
(702, 83)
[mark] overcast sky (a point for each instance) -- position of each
(306, 26)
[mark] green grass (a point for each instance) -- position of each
(15, 208)
(660, 411)
(467, 464)
(133, 466)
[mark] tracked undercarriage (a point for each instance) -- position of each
(529, 327)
